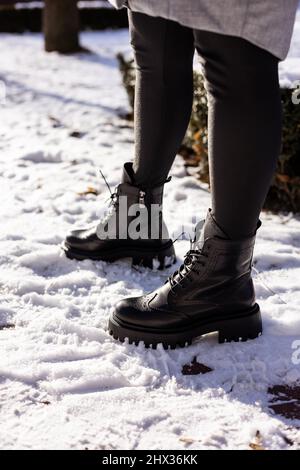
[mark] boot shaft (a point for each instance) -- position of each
(224, 254)
(137, 211)
(217, 271)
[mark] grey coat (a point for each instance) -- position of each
(266, 23)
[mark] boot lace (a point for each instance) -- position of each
(194, 259)
(113, 204)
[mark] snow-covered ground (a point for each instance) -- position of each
(64, 382)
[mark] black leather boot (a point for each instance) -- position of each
(211, 292)
(123, 235)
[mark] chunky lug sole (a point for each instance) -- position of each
(162, 257)
(239, 327)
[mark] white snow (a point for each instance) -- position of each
(64, 382)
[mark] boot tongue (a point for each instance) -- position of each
(208, 229)
(128, 173)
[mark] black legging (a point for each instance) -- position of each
(244, 113)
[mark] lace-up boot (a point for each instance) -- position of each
(133, 228)
(212, 291)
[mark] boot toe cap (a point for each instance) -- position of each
(137, 312)
(82, 239)
(74, 238)
(133, 310)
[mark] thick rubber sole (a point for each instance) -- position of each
(238, 327)
(160, 258)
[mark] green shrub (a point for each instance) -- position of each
(284, 193)
(127, 70)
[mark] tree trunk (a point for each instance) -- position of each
(61, 26)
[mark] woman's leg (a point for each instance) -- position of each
(244, 127)
(213, 289)
(163, 52)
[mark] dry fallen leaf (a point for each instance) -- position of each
(285, 400)
(55, 122)
(89, 190)
(77, 134)
(6, 326)
(187, 440)
(195, 368)
(257, 445)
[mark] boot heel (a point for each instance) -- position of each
(145, 261)
(160, 260)
(242, 328)
(166, 261)
(166, 258)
